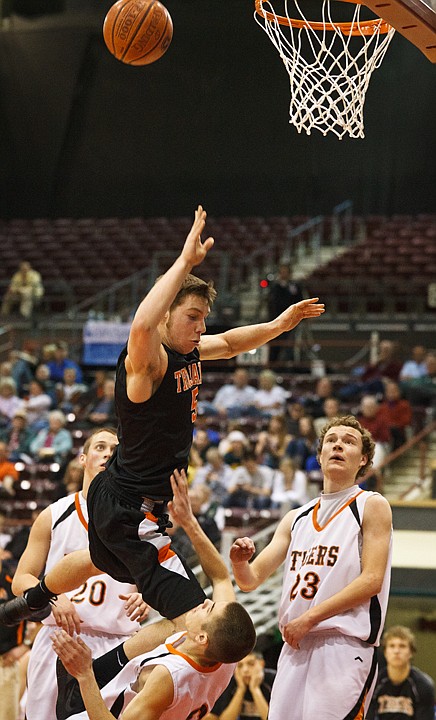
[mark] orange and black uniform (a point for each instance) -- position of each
(127, 537)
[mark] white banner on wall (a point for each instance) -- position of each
(103, 342)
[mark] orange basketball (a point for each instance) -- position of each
(138, 32)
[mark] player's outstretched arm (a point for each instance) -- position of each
(210, 559)
(144, 339)
(249, 337)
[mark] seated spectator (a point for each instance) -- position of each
(42, 375)
(372, 419)
(272, 443)
(201, 507)
(331, 409)
(415, 367)
(303, 449)
(73, 477)
(396, 413)
(53, 444)
(69, 391)
(215, 474)
(25, 291)
(60, 362)
(236, 399)
(421, 390)
(103, 412)
(8, 473)
(314, 403)
(248, 694)
(200, 444)
(233, 446)
(17, 437)
(402, 690)
(9, 401)
(93, 394)
(270, 397)
(24, 363)
(289, 486)
(372, 376)
(251, 484)
(37, 406)
(294, 411)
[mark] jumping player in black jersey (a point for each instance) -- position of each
(157, 383)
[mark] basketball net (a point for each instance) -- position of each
(329, 83)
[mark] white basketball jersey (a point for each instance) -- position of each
(97, 600)
(196, 688)
(322, 560)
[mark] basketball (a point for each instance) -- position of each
(138, 32)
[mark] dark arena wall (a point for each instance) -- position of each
(81, 134)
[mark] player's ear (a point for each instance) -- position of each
(82, 459)
(202, 638)
(363, 460)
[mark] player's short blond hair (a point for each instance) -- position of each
(88, 441)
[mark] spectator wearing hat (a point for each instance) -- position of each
(232, 447)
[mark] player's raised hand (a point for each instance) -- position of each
(76, 656)
(180, 506)
(194, 250)
(303, 310)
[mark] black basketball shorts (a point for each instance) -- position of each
(132, 546)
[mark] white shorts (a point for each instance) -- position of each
(42, 687)
(331, 677)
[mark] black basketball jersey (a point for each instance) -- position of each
(155, 436)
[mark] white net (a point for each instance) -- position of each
(329, 67)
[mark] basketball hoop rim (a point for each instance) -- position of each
(367, 27)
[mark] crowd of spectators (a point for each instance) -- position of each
(255, 440)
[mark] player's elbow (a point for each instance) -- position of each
(374, 582)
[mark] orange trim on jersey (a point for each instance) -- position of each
(317, 526)
(165, 553)
(151, 517)
(9, 579)
(192, 663)
(79, 511)
(20, 633)
(360, 715)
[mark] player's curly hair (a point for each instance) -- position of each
(232, 636)
(368, 445)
